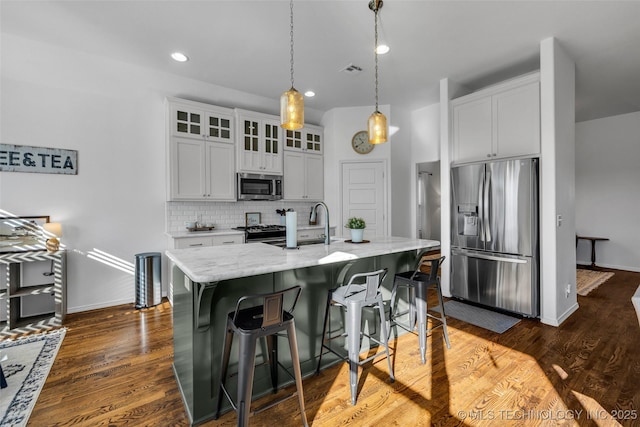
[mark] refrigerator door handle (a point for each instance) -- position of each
(481, 203)
(486, 201)
(494, 258)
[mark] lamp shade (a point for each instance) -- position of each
(291, 110)
(377, 128)
(54, 228)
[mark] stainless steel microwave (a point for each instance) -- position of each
(259, 187)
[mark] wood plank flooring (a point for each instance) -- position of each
(114, 369)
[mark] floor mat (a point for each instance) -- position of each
(487, 319)
(588, 280)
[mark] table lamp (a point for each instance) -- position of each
(55, 230)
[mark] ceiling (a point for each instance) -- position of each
(244, 45)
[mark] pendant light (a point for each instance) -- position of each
(291, 101)
(377, 126)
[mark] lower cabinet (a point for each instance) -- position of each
(303, 176)
(315, 233)
(198, 242)
(201, 241)
(32, 290)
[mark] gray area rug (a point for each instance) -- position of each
(26, 363)
(487, 319)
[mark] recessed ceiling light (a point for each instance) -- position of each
(382, 49)
(179, 56)
(309, 94)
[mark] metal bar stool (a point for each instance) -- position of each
(353, 298)
(417, 283)
(252, 323)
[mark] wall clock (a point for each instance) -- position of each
(360, 142)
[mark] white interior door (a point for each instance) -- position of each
(363, 195)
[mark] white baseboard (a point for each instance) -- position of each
(613, 266)
(89, 307)
(564, 316)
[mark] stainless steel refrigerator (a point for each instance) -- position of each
(494, 235)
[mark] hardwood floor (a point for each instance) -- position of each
(114, 368)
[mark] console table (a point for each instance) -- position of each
(15, 292)
(593, 246)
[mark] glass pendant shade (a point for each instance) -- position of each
(377, 128)
(291, 110)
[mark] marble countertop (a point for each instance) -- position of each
(227, 231)
(215, 263)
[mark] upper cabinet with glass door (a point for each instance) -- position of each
(259, 143)
(190, 119)
(308, 139)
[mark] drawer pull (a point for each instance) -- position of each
(196, 244)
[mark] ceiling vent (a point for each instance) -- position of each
(351, 69)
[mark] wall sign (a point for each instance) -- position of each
(22, 158)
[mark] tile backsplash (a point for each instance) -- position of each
(225, 215)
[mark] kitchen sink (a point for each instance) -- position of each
(283, 244)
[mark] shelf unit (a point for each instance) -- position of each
(16, 293)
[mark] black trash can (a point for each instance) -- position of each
(148, 279)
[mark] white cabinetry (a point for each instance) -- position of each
(200, 164)
(308, 139)
(303, 176)
(314, 233)
(201, 170)
(200, 241)
(303, 164)
(200, 121)
(259, 143)
(498, 122)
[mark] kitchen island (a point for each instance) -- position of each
(208, 281)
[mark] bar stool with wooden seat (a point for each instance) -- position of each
(418, 282)
(251, 323)
(352, 298)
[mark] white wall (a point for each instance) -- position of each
(607, 193)
(114, 115)
(448, 90)
(425, 148)
(557, 178)
(340, 124)
(402, 198)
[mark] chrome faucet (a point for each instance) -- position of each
(327, 231)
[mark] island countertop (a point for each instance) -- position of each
(216, 263)
(208, 281)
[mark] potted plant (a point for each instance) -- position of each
(357, 226)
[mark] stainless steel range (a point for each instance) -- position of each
(272, 234)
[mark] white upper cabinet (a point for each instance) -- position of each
(201, 170)
(303, 176)
(304, 164)
(313, 139)
(201, 121)
(498, 122)
(517, 120)
(308, 139)
(259, 143)
(201, 152)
